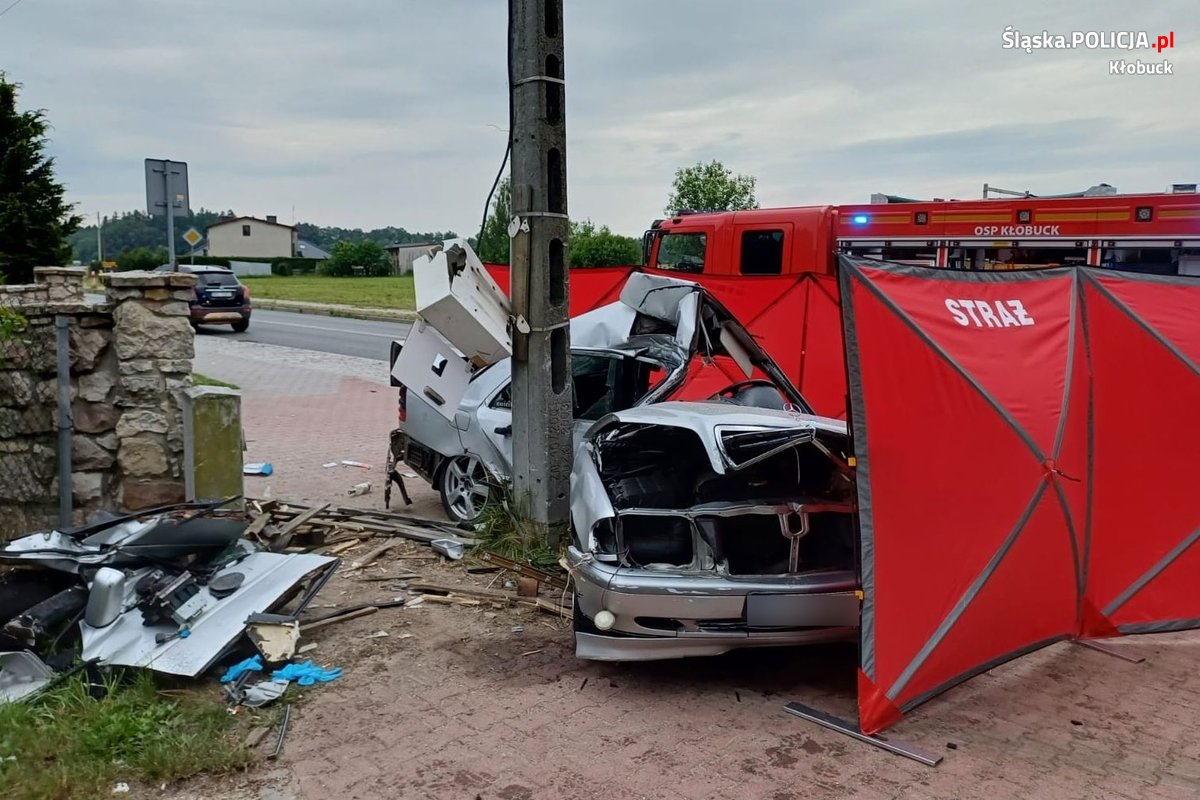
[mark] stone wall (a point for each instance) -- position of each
(130, 362)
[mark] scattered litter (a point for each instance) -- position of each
(951, 746)
(527, 587)
(416, 602)
(307, 648)
(330, 464)
(518, 628)
(306, 673)
(21, 674)
(409, 474)
(264, 692)
(582, 685)
(283, 729)
(257, 469)
(531, 653)
(377, 635)
(406, 636)
(359, 489)
(453, 549)
(121, 788)
(274, 635)
(358, 464)
(252, 664)
(738, 696)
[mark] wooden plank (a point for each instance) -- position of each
(373, 554)
(312, 626)
(553, 607)
(256, 527)
(300, 519)
(343, 547)
(450, 600)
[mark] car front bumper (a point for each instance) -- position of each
(672, 614)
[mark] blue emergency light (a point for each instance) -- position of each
(859, 219)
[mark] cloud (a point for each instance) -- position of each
(383, 112)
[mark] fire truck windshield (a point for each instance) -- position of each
(682, 252)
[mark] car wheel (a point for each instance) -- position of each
(241, 327)
(463, 485)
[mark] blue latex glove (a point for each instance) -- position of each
(306, 674)
(250, 664)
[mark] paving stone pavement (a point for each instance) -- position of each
(301, 410)
(477, 712)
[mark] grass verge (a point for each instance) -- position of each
(499, 530)
(204, 380)
(394, 292)
(65, 745)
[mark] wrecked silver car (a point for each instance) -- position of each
(701, 527)
(651, 346)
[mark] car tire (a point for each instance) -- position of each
(464, 487)
(241, 327)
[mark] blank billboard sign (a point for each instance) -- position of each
(156, 188)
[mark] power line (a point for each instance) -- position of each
(11, 6)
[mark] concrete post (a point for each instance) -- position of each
(212, 443)
(542, 358)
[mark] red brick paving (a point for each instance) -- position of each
(466, 714)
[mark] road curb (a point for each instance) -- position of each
(350, 312)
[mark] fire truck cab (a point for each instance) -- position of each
(760, 241)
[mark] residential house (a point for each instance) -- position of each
(403, 255)
(251, 237)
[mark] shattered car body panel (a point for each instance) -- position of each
(700, 528)
(125, 542)
(270, 579)
(656, 338)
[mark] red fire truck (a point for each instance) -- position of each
(1155, 233)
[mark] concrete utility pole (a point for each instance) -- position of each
(541, 344)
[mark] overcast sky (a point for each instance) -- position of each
(366, 113)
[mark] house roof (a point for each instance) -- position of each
(309, 250)
(406, 245)
(232, 220)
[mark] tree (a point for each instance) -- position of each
(35, 220)
(600, 247)
(711, 187)
(144, 258)
(369, 255)
(493, 244)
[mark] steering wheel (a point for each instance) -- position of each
(731, 392)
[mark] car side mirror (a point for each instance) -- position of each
(504, 430)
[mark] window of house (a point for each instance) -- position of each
(245, 230)
(762, 252)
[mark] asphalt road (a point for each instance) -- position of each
(349, 337)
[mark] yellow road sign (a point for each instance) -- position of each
(192, 237)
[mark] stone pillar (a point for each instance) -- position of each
(212, 442)
(154, 347)
(63, 284)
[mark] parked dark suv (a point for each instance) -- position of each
(219, 297)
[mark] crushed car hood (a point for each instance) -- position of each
(708, 419)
